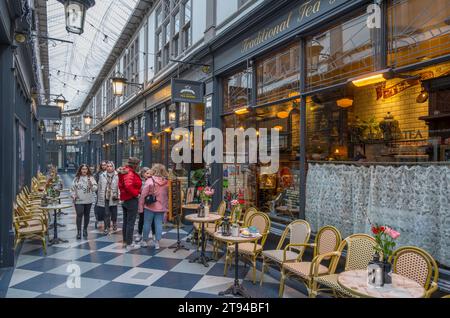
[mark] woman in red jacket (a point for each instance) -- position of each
(130, 185)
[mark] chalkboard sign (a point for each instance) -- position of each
(174, 198)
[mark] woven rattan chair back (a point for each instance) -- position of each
(416, 264)
(360, 251)
(247, 215)
(299, 232)
(222, 208)
(328, 240)
(262, 222)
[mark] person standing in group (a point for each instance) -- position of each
(108, 196)
(83, 189)
(146, 173)
(98, 210)
(154, 202)
(130, 185)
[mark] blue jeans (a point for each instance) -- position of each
(149, 217)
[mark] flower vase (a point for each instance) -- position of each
(206, 210)
(387, 273)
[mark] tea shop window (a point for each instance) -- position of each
(344, 51)
(388, 122)
(419, 30)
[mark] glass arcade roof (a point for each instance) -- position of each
(73, 68)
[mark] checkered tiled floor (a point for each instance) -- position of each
(108, 271)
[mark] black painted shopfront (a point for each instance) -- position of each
(296, 69)
(22, 146)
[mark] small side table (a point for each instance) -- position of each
(236, 289)
(55, 208)
(211, 218)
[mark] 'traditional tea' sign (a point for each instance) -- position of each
(187, 91)
(294, 17)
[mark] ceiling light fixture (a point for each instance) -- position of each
(372, 78)
(75, 13)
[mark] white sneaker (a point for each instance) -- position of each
(132, 247)
(156, 245)
(144, 244)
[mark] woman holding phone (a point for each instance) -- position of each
(83, 191)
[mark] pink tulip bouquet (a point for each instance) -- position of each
(206, 195)
(385, 237)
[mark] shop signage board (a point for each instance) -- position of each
(184, 91)
(50, 135)
(297, 16)
(49, 112)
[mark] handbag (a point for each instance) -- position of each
(151, 198)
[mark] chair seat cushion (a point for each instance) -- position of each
(277, 255)
(247, 248)
(31, 230)
(331, 281)
(302, 269)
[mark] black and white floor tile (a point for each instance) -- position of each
(106, 270)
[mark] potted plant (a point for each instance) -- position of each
(385, 237)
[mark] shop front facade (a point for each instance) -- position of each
(22, 142)
(357, 92)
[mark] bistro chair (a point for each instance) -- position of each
(360, 251)
(251, 251)
(25, 229)
(247, 215)
(30, 213)
(299, 232)
(417, 265)
(211, 228)
(325, 246)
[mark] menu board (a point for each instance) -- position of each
(174, 198)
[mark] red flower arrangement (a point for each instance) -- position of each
(385, 236)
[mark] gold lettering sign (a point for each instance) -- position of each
(307, 10)
(266, 34)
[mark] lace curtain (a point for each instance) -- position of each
(413, 200)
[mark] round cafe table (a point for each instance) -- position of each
(55, 208)
(236, 289)
(355, 282)
(211, 218)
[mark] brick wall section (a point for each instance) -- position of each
(402, 106)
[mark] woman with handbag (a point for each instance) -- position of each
(145, 174)
(108, 196)
(83, 190)
(153, 202)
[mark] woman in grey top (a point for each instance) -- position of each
(108, 196)
(83, 191)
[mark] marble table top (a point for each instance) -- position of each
(236, 239)
(209, 219)
(57, 207)
(402, 287)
